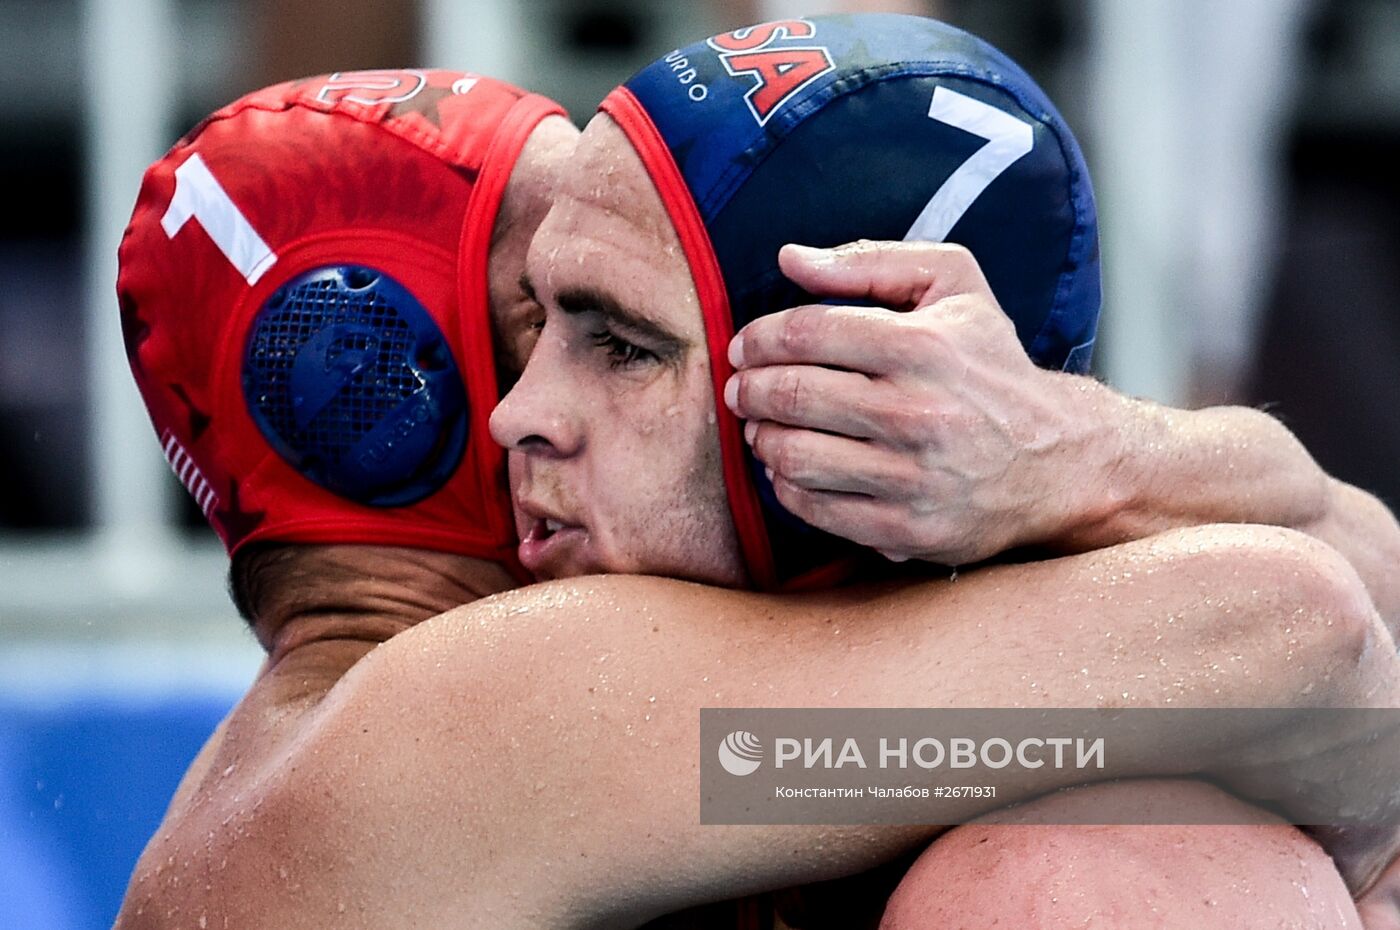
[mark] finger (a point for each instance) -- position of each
(842, 402)
(821, 462)
(902, 275)
(867, 521)
(865, 339)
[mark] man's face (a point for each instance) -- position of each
(614, 460)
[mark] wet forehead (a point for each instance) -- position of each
(607, 173)
(608, 230)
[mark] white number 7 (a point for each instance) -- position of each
(1008, 139)
(199, 194)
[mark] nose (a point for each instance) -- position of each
(538, 416)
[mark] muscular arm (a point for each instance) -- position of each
(964, 449)
(531, 760)
(1174, 468)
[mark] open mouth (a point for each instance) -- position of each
(545, 546)
(542, 529)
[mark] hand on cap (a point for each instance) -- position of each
(924, 431)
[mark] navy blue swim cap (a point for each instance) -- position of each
(827, 130)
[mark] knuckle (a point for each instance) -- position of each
(795, 336)
(797, 464)
(762, 444)
(778, 454)
(891, 532)
(924, 342)
(907, 423)
(790, 393)
(974, 319)
(907, 484)
(960, 254)
(961, 307)
(900, 533)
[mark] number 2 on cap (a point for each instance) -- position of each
(1008, 140)
(199, 194)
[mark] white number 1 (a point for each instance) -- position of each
(1008, 140)
(199, 194)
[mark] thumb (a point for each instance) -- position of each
(899, 275)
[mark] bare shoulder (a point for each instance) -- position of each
(345, 764)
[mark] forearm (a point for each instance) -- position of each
(1164, 468)
(535, 714)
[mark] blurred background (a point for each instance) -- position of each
(1245, 156)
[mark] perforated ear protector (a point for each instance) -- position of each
(354, 385)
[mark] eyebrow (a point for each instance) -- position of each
(578, 301)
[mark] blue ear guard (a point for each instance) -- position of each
(352, 383)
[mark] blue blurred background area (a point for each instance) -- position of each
(1243, 153)
(94, 737)
(83, 782)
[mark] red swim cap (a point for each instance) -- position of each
(304, 301)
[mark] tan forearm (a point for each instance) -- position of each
(559, 724)
(1165, 468)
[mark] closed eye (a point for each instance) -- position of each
(620, 352)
